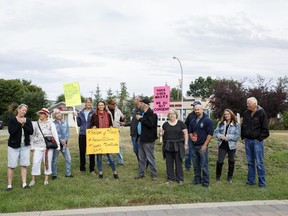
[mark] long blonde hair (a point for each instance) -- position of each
(233, 116)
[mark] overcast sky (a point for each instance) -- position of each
(105, 42)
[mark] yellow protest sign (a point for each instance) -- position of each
(72, 94)
(102, 141)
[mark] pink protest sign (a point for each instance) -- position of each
(161, 99)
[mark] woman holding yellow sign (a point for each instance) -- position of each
(102, 119)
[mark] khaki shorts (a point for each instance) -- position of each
(15, 154)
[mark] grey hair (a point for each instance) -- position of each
(174, 112)
(253, 100)
(55, 111)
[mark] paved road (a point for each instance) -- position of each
(3, 132)
(247, 208)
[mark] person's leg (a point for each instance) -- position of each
(38, 156)
(135, 146)
(10, 174)
(204, 168)
(13, 155)
(231, 162)
(113, 165)
(99, 165)
(259, 156)
(48, 171)
(149, 151)
(188, 156)
(250, 156)
(54, 163)
(82, 152)
(112, 162)
(119, 156)
(67, 156)
(169, 166)
(92, 163)
(179, 167)
(142, 160)
(24, 163)
(24, 176)
(195, 155)
(220, 161)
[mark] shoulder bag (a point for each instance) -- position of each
(49, 140)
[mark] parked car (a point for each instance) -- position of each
(1, 124)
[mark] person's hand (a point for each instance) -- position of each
(186, 148)
(22, 121)
(74, 113)
(64, 144)
(203, 148)
(138, 117)
(223, 137)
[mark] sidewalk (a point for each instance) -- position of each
(247, 208)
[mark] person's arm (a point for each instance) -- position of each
(235, 133)
(207, 141)
(55, 134)
(265, 127)
(13, 126)
(28, 127)
(185, 132)
(150, 122)
(32, 136)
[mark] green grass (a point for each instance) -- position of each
(84, 190)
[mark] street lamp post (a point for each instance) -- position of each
(181, 87)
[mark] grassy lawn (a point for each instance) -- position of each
(85, 191)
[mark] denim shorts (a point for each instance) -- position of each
(22, 153)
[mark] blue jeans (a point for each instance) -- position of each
(200, 164)
(255, 158)
(66, 154)
(110, 160)
(188, 155)
(135, 145)
(119, 156)
(146, 154)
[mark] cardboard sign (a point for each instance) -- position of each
(102, 141)
(72, 94)
(161, 99)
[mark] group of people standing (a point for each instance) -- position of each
(26, 137)
(187, 140)
(199, 126)
(103, 117)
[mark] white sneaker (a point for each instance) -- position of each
(32, 183)
(46, 182)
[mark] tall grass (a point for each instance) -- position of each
(85, 190)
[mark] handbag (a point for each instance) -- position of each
(49, 140)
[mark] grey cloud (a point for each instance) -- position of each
(236, 32)
(25, 61)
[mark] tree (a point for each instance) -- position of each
(175, 93)
(123, 97)
(272, 98)
(201, 87)
(16, 91)
(110, 94)
(97, 95)
(227, 94)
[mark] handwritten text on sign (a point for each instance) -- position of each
(102, 141)
(72, 94)
(161, 99)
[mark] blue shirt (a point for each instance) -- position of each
(62, 130)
